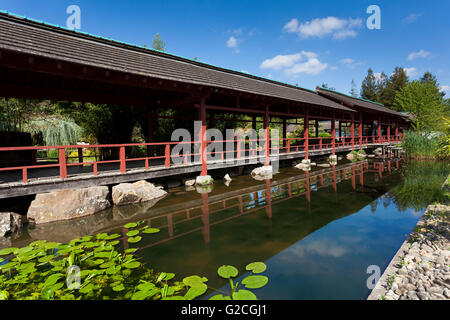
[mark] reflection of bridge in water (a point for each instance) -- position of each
(257, 198)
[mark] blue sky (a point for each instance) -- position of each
(298, 42)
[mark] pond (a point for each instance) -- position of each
(317, 231)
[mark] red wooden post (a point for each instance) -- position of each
(167, 155)
(352, 132)
(123, 164)
(284, 132)
(203, 136)
(266, 136)
(238, 154)
(95, 169)
(379, 131)
(146, 164)
(62, 163)
(320, 144)
(333, 134)
(389, 133)
(288, 146)
(360, 132)
(306, 134)
(24, 175)
(396, 132)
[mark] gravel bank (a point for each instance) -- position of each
(421, 268)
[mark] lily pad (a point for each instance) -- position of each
(132, 265)
(151, 230)
(134, 239)
(132, 233)
(227, 272)
(244, 295)
(130, 225)
(220, 297)
(194, 281)
(196, 291)
(256, 267)
(255, 282)
(7, 251)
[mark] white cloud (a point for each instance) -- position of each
(412, 17)
(350, 63)
(444, 88)
(411, 72)
(303, 62)
(320, 27)
(232, 42)
(419, 54)
(281, 61)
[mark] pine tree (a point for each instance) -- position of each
(158, 43)
(397, 82)
(369, 86)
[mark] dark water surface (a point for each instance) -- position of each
(317, 231)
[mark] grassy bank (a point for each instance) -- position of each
(418, 146)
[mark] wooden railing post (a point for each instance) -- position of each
(62, 163)
(123, 164)
(167, 156)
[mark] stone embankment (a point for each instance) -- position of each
(421, 268)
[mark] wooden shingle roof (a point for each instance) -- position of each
(40, 39)
(356, 102)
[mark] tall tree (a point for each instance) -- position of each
(353, 90)
(382, 85)
(397, 81)
(369, 86)
(424, 101)
(158, 43)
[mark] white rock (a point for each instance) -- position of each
(141, 191)
(189, 183)
(227, 178)
(263, 172)
(204, 180)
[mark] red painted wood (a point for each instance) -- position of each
(24, 175)
(62, 163)
(203, 136)
(306, 134)
(333, 135)
(167, 156)
(266, 136)
(122, 157)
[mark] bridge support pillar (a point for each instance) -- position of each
(360, 130)
(333, 134)
(267, 136)
(306, 134)
(352, 131)
(202, 137)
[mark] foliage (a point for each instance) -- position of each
(420, 146)
(56, 131)
(42, 271)
(369, 87)
(421, 184)
(158, 43)
(443, 151)
(424, 101)
(253, 281)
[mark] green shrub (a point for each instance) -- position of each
(420, 146)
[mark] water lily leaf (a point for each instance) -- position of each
(37, 243)
(244, 295)
(151, 230)
(4, 295)
(97, 261)
(132, 265)
(220, 297)
(134, 239)
(102, 236)
(113, 236)
(196, 291)
(255, 282)
(131, 250)
(167, 291)
(130, 225)
(142, 295)
(106, 265)
(46, 259)
(146, 286)
(7, 251)
(113, 269)
(87, 288)
(165, 276)
(227, 272)
(194, 281)
(118, 288)
(114, 243)
(256, 267)
(132, 233)
(47, 293)
(51, 280)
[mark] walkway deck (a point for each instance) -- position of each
(41, 180)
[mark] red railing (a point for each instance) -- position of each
(162, 151)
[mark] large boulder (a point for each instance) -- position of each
(130, 193)
(9, 222)
(262, 173)
(68, 204)
(204, 180)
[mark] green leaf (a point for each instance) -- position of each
(146, 286)
(130, 225)
(151, 230)
(46, 259)
(134, 239)
(142, 295)
(132, 233)
(7, 251)
(118, 288)
(51, 280)
(87, 288)
(227, 272)
(132, 265)
(255, 282)
(106, 265)
(244, 295)
(194, 281)
(113, 236)
(196, 291)
(174, 298)
(131, 250)
(256, 267)
(4, 295)
(47, 293)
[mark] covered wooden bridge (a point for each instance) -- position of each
(42, 61)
